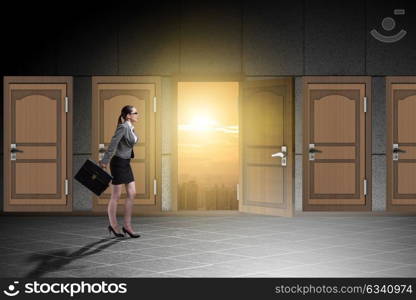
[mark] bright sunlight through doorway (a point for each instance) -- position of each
(208, 146)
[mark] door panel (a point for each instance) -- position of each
(334, 178)
(36, 123)
(333, 117)
(266, 113)
(335, 138)
(110, 94)
(401, 162)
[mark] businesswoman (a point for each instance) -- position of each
(122, 144)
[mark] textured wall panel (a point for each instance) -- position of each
(334, 37)
(273, 37)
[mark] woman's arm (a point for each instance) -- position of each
(120, 131)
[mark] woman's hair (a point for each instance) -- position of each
(124, 112)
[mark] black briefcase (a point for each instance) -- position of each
(93, 177)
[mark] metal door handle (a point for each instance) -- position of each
(279, 154)
(101, 151)
(282, 155)
(313, 150)
(13, 152)
(396, 151)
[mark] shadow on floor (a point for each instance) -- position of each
(60, 258)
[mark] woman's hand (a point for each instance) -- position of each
(104, 166)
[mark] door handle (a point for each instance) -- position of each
(279, 154)
(13, 151)
(101, 151)
(312, 151)
(282, 155)
(396, 151)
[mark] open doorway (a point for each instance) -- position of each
(208, 145)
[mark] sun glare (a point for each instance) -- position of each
(200, 123)
(204, 123)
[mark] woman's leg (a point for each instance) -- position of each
(112, 205)
(128, 207)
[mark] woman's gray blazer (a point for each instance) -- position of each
(122, 142)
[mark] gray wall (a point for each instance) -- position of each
(246, 38)
(82, 199)
(253, 37)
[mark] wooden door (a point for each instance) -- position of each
(337, 144)
(401, 143)
(110, 94)
(37, 143)
(266, 122)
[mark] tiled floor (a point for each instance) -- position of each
(240, 245)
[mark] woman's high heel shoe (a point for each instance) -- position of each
(133, 235)
(111, 230)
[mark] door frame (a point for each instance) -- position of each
(389, 141)
(69, 143)
(368, 142)
(174, 125)
(158, 160)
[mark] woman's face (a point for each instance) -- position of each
(134, 115)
